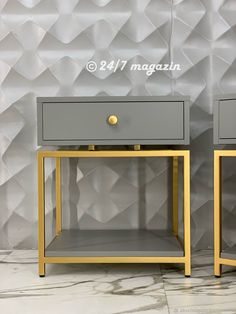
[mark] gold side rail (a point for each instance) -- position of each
(114, 259)
(112, 153)
(227, 261)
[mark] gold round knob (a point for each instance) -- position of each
(112, 119)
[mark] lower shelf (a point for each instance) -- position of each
(229, 253)
(114, 243)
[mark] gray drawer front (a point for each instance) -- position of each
(225, 121)
(78, 123)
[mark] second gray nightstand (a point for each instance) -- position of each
(224, 133)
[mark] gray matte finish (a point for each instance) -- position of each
(142, 120)
(114, 243)
(229, 253)
(225, 119)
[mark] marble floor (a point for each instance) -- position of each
(113, 289)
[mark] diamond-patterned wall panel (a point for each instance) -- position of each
(224, 65)
(44, 47)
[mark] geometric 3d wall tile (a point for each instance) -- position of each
(44, 48)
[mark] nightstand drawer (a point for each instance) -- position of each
(225, 120)
(112, 120)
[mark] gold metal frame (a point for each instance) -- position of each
(58, 154)
(218, 260)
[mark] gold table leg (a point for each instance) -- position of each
(175, 196)
(41, 216)
(187, 236)
(58, 196)
(217, 213)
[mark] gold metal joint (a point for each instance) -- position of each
(137, 147)
(91, 147)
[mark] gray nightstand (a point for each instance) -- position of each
(113, 121)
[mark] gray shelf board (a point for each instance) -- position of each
(229, 253)
(115, 243)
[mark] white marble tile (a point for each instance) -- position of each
(202, 304)
(22, 256)
(202, 265)
(77, 304)
(4, 254)
(74, 288)
(82, 279)
(114, 288)
(202, 293)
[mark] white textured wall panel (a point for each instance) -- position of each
(44, 47)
